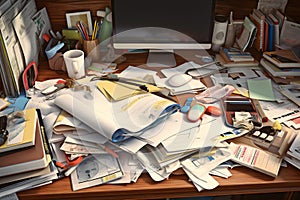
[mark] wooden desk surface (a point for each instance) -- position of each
(243, 180)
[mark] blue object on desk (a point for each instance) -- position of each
(51, 51)
(16, 104)
(187, 105)
(123, 134)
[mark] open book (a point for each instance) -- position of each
(117, 120)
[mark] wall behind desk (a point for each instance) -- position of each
(241, 8)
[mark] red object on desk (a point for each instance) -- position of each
(29, 75)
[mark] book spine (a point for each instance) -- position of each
(276, 27)
(259, 16)
(271, 34)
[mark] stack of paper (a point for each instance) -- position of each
(120, 119)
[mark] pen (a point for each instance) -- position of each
(258, 107)
(231, 17)
(113, 77)
(80, 30)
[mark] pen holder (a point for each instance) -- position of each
(89, 45)
(57, 62)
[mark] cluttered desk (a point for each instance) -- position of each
(243, 180)
(101, 122)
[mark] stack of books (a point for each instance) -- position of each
(282, 65)
(26, 157)
(268, 29)
(232, 57)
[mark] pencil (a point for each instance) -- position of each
(94, 30)
(84, 30)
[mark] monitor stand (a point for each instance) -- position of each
(161, 58)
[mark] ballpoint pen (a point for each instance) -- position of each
(113, 77)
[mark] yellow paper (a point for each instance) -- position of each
(118, 91)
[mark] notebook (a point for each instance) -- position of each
(26, 159)
(21, 134)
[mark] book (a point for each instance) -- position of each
(235, 55)
(280, 17)
(276, 27)
(276, 71)
(262, 151)
(255, 159)
(21, 134)
(25, 175)
(227, 63)
(266, 35)
(246, 38)
(283, 58)
(27, 159)
(271, 34)
(225, 58)
(259, 19)
(290, 34)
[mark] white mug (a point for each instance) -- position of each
(74, 60)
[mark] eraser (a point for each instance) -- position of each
(196, 112)
(213, 110)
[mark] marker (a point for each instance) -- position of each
(256, 103)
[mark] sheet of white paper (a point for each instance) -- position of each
(205, 182)
(191, 87)
(152, 167)
(221, 171)
(89, 137)
(136, 73)
(132, 145)
(26, 32)
(128, 168)
(200, 166)
(173, 125)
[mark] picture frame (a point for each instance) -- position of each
(84, 16)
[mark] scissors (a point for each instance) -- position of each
(29, 76)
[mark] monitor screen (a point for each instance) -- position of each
(162, 24)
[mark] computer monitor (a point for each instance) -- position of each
(162, 25)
